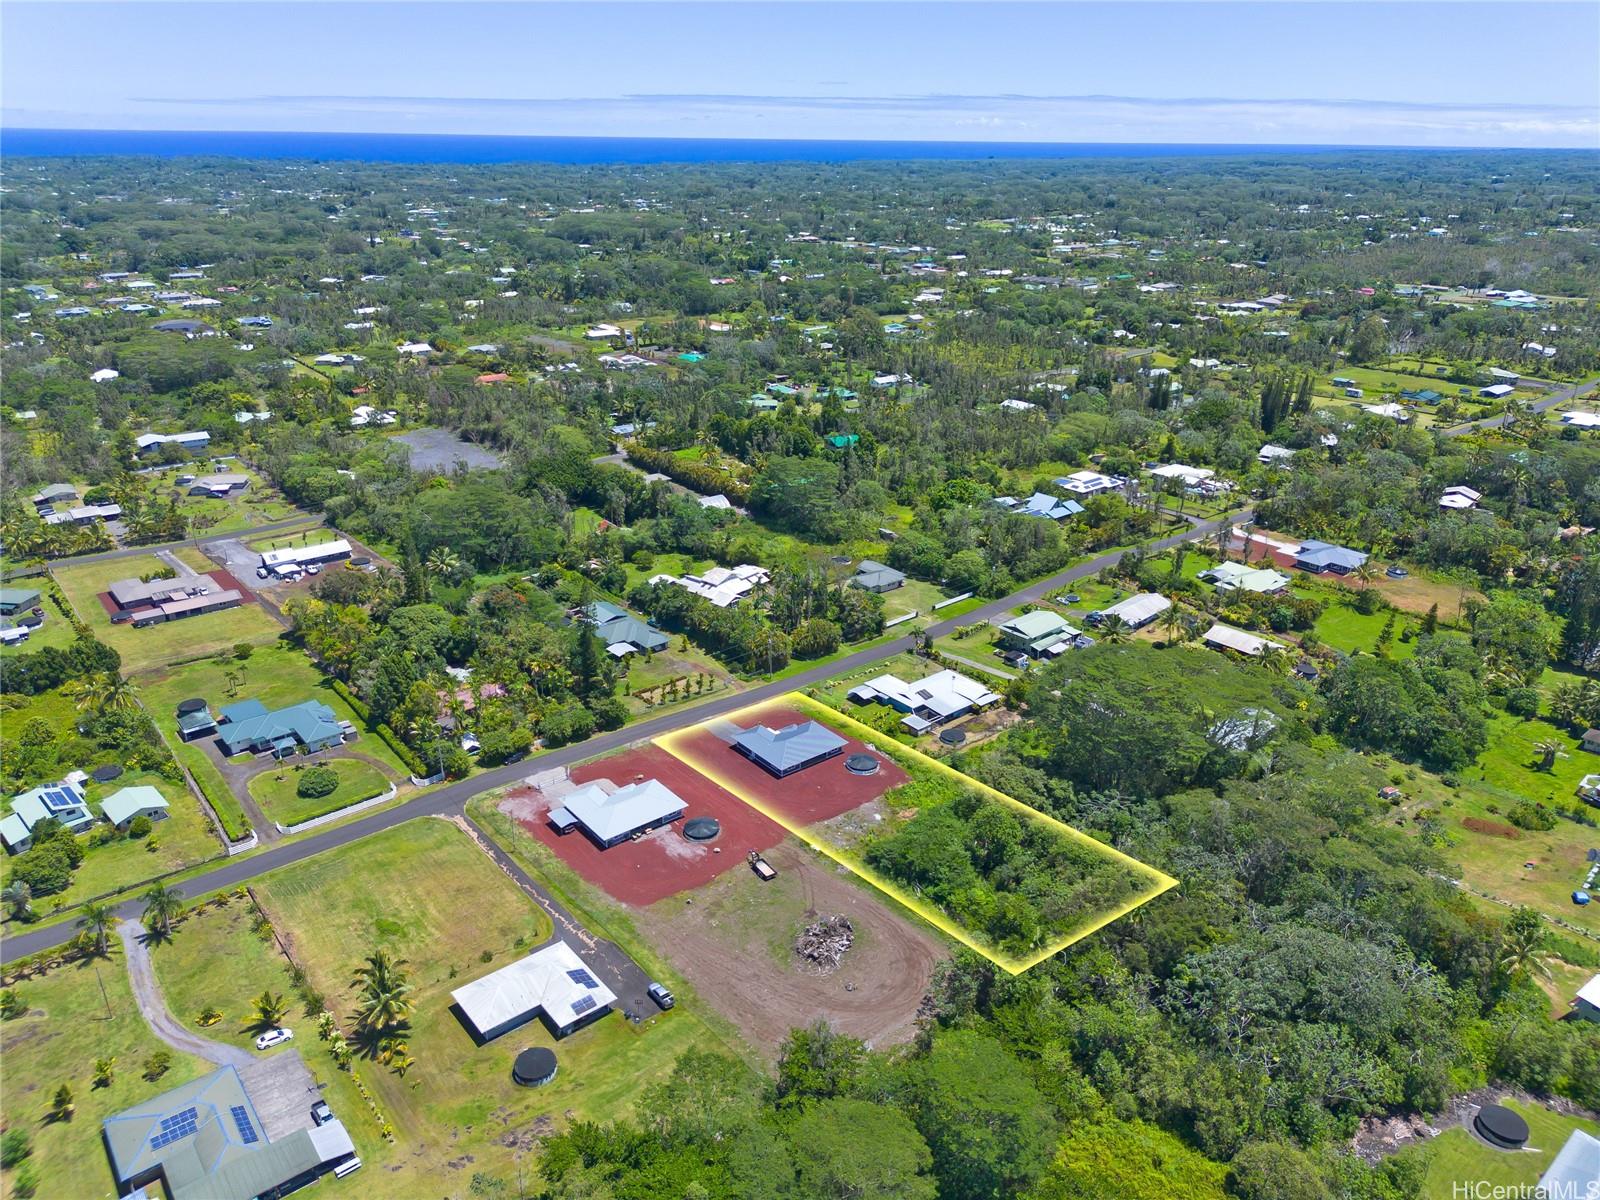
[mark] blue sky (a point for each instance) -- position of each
(1497, 74)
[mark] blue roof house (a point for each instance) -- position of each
(63, 801)
(249, 727)
(1318, 556)
(1042, 505)
(793, 748)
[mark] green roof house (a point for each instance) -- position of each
(249, 727)
(121, 807)
(206, 1141)
(843, 441)
(764, 403)
(1035, 631)
(18, 599)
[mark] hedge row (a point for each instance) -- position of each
(234, 823)
(407, 756)
(698, 476)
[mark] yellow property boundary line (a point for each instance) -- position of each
(1159, 881)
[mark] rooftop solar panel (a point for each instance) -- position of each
(174, 1128)
(582, 976)
(582, 1005)
(241, 1119)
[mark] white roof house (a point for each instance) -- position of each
(722, 586)
(1087, 483)
(1587, 1000)
(1226, 637)
(1391, 410)
(1274, 454)
(1018, 405)
(610, 817)
(1498, 391)
(321, 552)
(1241, 577)
(1138, 610)
(598, 332)
(1189, 475)
(1459, 497)
(928, 702)
(553, 983)
(1574, 1171)
(1582, 420)
(104, 375)
(124, 805)
(415, 348)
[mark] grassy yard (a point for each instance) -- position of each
(170, 641)
(76, 1014)
(915, 595)
(1458, 1160)
(358, 781)
(56, 631)
(276, 675)
(403, 891)
(1343, 628)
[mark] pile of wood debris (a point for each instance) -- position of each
(823, 943)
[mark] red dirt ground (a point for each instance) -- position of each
(663, 862)
(817, 793)
(221, 581)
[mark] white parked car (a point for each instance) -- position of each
(274, 1037)
(469, 743)
(312, 569)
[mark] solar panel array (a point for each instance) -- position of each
(179, 1125)
(59, 799)
(582, 1005)
(241, 1118)
(582, 976)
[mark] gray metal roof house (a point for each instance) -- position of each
(622, 632)
(205, 1141)
(1324, 556)
(793, 748)
(610, 818)
(874, 576)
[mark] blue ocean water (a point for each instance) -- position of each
(469, 148)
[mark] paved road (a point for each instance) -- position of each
(451, 800)
(1560, 396)
(136, 551)
(153, 1006)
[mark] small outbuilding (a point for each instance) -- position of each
(782, 752)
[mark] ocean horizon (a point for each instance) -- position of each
(498, 148)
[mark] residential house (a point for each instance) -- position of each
(194, 441)
(1586, 1004)
(220, 485)
(927, 703)
(302, 556)
(1459, 497)
(612, 817)
(1318, 557)
(156, 601)
(1497, 391)
(1190, 476)
(1051, 508)
(18, 599)
(873, 576)
(1241, 577)
(842, 441)
(622, 632)
(1090, 483)
(722, 586)
(1575, 1170)
(783, 752)
(1591, 741)
(250, 727)
(1136, 611)
(1581, 420)
(415, 348)
(552, 983)
(104, 375)
(1391, 410)
(1038, 632)
(1226, 637)
(84, 514)
(64, 802)
(206, 1141)
(56, 493)
(122, 807)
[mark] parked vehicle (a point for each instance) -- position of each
(761, 867)
(321, 1114)
(261, 572)
(274, 1037)
(1397, 572)
(661, 996)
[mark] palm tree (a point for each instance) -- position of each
(96, 921)
(1172, 623)
(161, 905)
(1114, 630)
(444, 562)
(1548, 751)
(18, 899)
(269, 1010)
(1521, 946)
(1277, 659)
(100, 691)
(385, 992)
(1366, 573)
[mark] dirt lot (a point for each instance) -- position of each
(817, 793)
(663, 862)
(733, 941)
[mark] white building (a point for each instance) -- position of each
(1090, 483)
(940, 697)
(722, 586)
(302, 555)
(1459, 497)
(553, 983)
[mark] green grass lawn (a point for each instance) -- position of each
(170, 641)
(403, 891)
(56, 631)
(358, 781)
(914, 595)
(1343, 628)
(1457, 1159)
(76, 1014)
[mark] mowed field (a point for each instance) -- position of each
(76, 1014)
(1459, 1161)
(426, 893)
(169, 642)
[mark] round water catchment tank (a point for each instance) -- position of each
(952, 737)
(861, 764)
(1501, 1127)
(702, 829)
(534, 1066)
(185, 707)
(106, 773)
